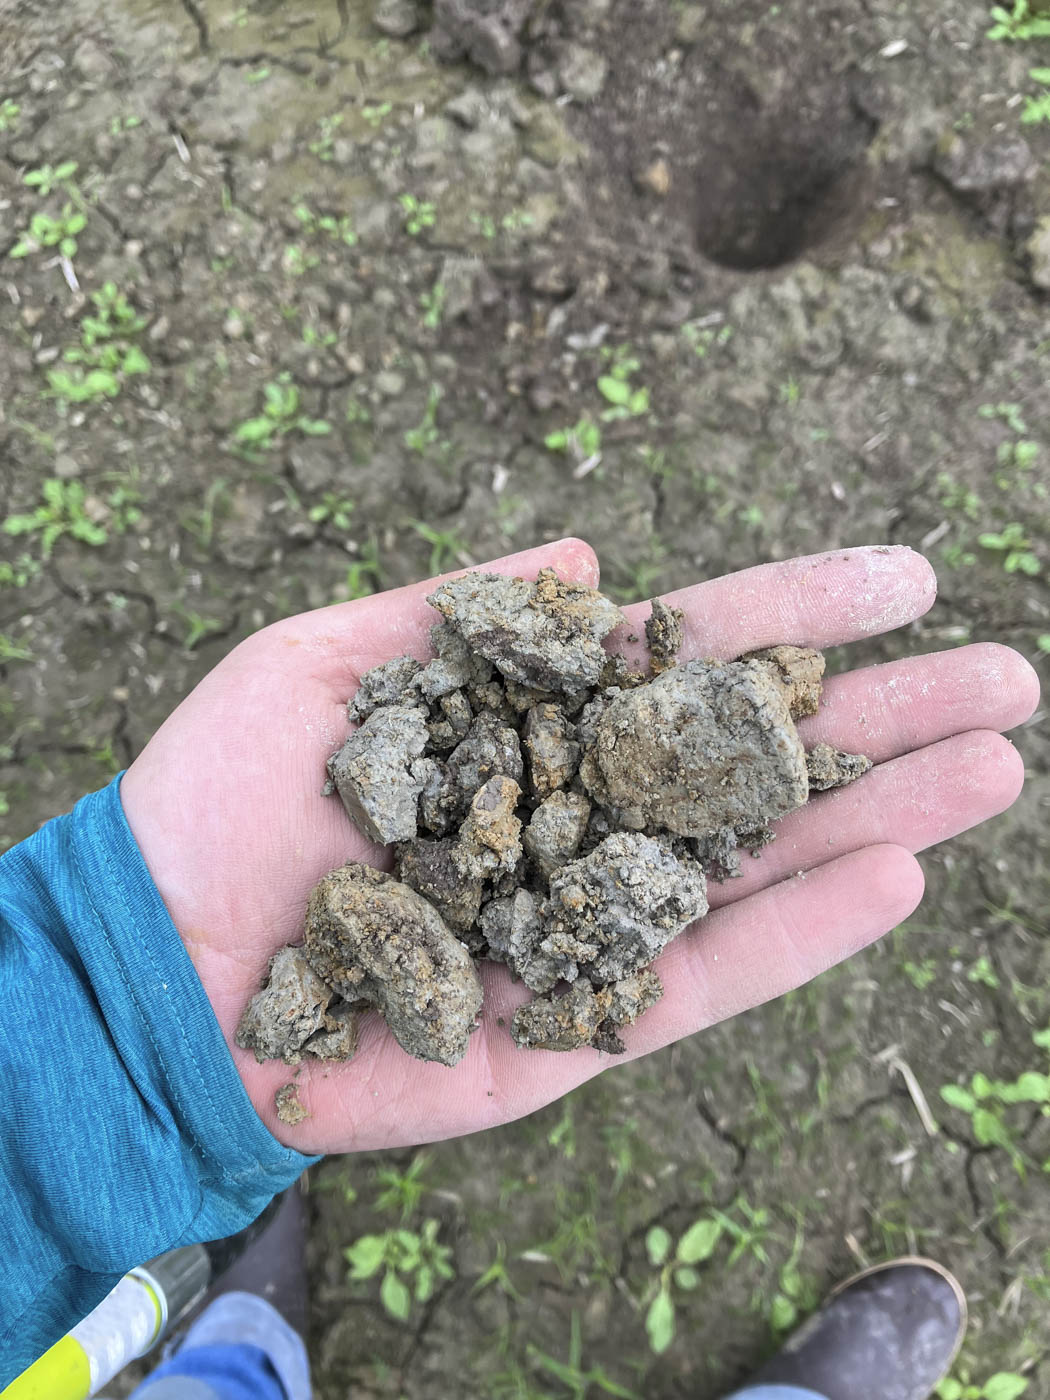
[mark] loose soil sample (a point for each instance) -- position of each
(550, 809)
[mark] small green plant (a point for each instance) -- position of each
(1043, 642)
(1004, 1385)
(705, 335)
(433, 304)
(563, 1134)
(1013, 547)
(11, 651)
(983, 972)
(324, 146)
(46, 232)
(625, 400)
(446, 547)
(485, 224)
(365, 575)
(336, 226)
(61, 512)
(20, 572)
(920, 975)
(332, 509)
(375, 113)
(197, 626)
(1009, 413)
(281, 415)
(790, 392)
(954, 497)
(677, 1271)
(411, 1265)
(419, 214)
(571, 1374)
(106, 355)
(403, 1191)
(119, 125)
(257, 75)
(9, 114)
(583, 440)
(201, 523)
(987, 1101)
(1018, 24)
(48, 177)
(1037, 109)
(425, 434)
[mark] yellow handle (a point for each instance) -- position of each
(63, 1373)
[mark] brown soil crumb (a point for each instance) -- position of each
(290, 1108)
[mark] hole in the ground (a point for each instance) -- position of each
(774, 183)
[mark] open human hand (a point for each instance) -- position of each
(225, 804)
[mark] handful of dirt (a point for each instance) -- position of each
(549, 808)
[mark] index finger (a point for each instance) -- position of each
(818, 600)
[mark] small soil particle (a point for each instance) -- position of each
(831, 768)
(663, 635)
(379, 772)
(290, 1108)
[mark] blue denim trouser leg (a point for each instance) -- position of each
(775, 1392)
(240, 1348)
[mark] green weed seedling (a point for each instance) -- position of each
(49, 177)
(403, 1191)
(1013, 547)
(46, 232)
(1037, 109)
(677, 1271)
(332, 509)
(1018, 24)
(571, 1374)
(446, 547)
(986, 1102)
(337, 226)
(376, 113)
(11, 651)
(1004, 1385)
(497, 1275)
(106, 355)
(1009, 413)
(364, 576)
(411, 1265)
(20, 572)
(61, 512)
(583, 440)
(419, 214)
(197, 626)
(9, 114)
(324, 146)
(705, 335)
(425, 434)
(281, 415)
(433, 304)
(624, 399)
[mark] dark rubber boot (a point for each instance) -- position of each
(273, 1266)
(890, 1333)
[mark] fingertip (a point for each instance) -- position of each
(997, 767)
(1012, 677)
(898, 586)
(575, 557)
(897, 882)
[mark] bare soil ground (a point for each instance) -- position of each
(335, 316)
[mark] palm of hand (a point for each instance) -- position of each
(225, 804)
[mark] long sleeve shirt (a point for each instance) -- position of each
(125, 1129)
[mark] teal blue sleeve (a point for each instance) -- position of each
(124, 1127)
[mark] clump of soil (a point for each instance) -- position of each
(550, 809)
